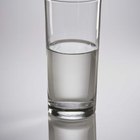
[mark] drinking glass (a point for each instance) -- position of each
(72, 40)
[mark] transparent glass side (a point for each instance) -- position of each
(71, 20)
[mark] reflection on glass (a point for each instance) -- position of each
(74, 130)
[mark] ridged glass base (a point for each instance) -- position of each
(71, 110)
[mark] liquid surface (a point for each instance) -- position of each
(72, 68)
(72, 46)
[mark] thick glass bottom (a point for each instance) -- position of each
(71, 110)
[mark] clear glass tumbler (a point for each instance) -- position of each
(72, 39)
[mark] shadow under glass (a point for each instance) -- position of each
(72, 130)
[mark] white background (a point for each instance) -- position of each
(23, 71)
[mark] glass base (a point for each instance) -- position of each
(71, 110)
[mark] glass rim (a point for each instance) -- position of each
(72, 1)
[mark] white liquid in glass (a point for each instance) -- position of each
(72, 71)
